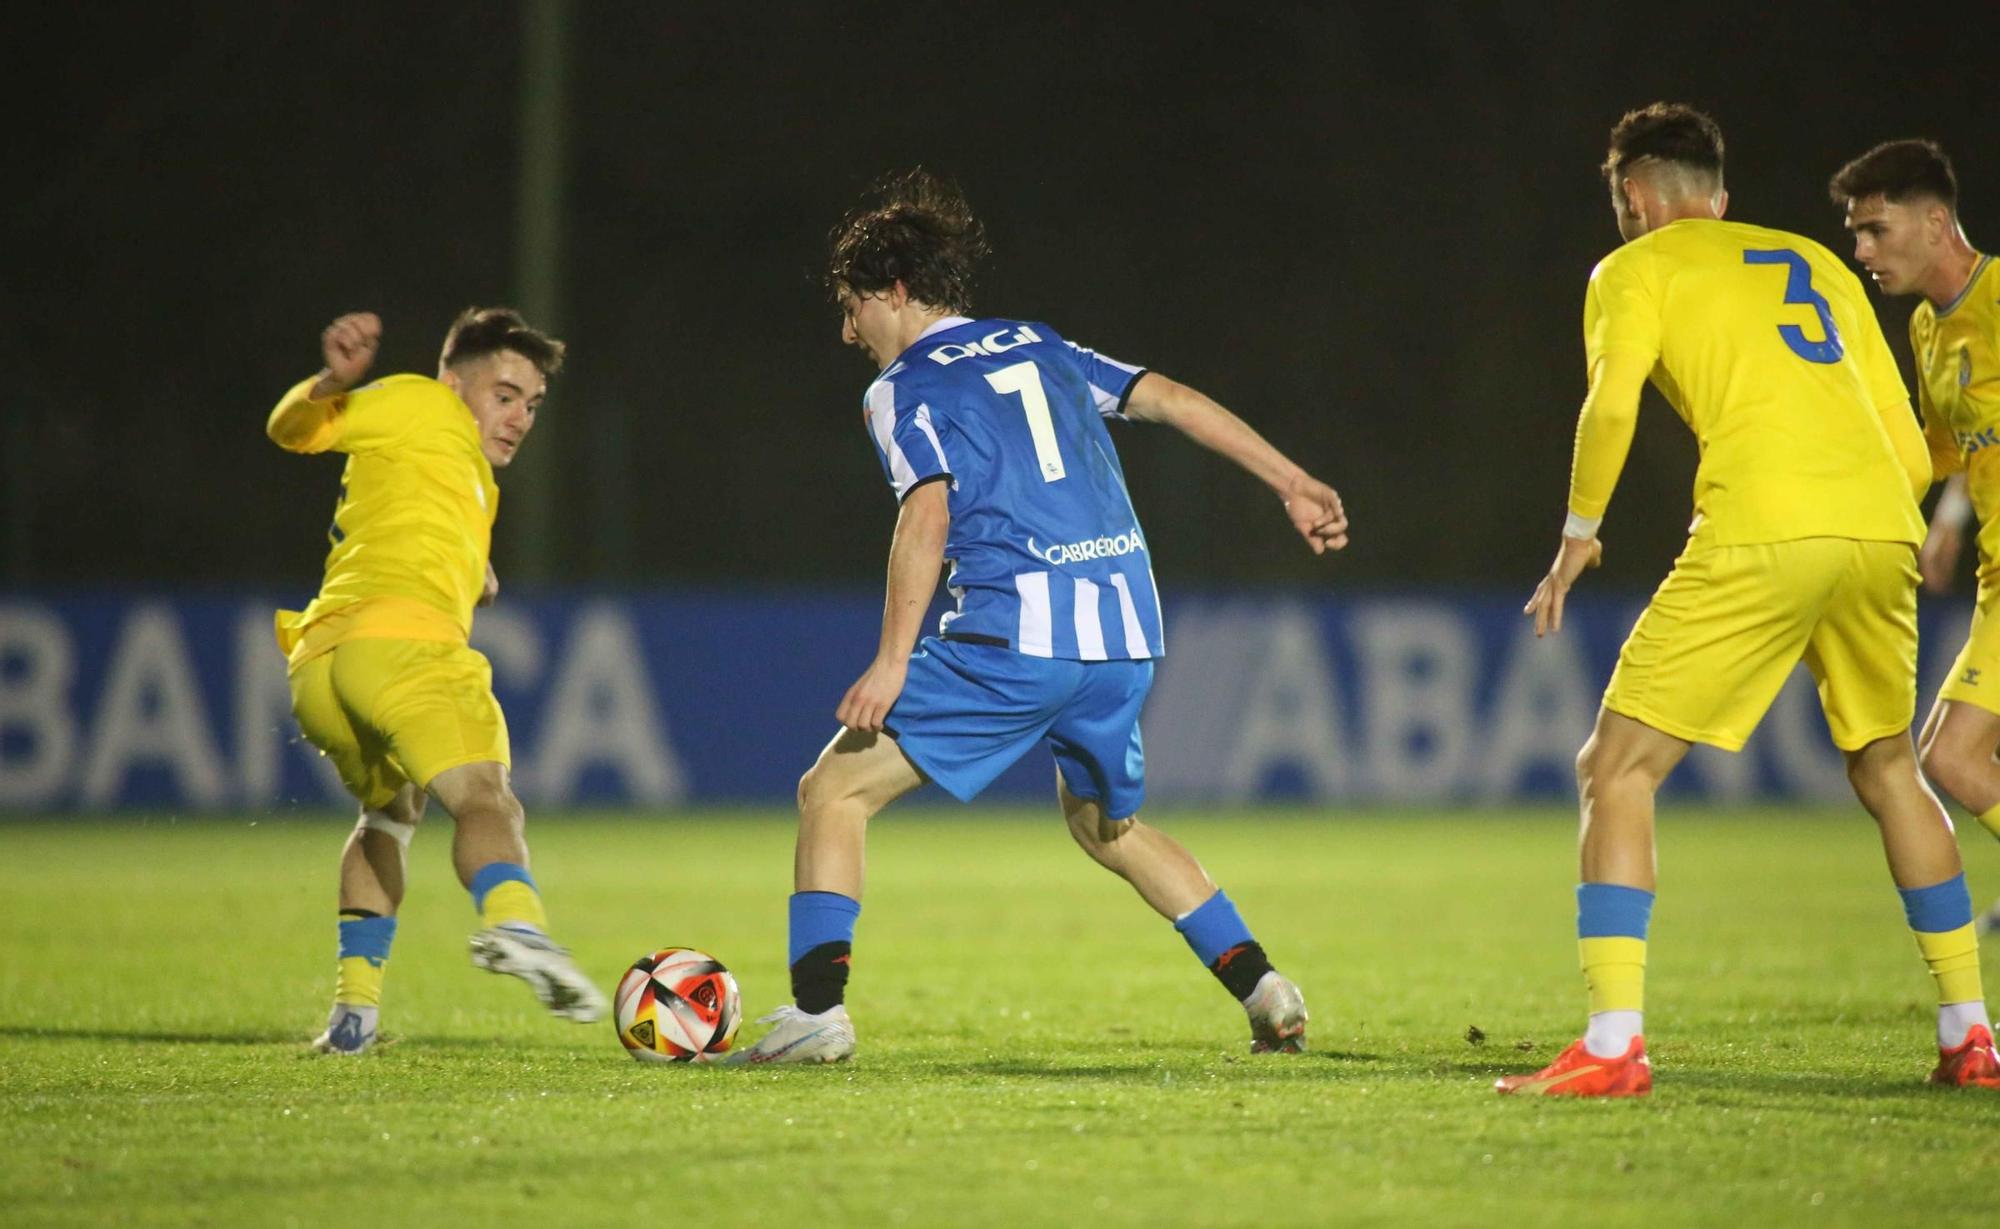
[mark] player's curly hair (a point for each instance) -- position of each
(480, 331)
(915, 228)
(1665, 132)
(1897, 171)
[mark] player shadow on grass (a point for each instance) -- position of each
(1817, 1086)
(1777, 1089)
(247, 1037)
(1145, 1070)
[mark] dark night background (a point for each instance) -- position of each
(1366, 229)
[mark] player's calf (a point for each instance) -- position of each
(1167, 877)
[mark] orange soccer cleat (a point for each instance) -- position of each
(1579, 1073)
(1972, 1064)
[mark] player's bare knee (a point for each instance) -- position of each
(1586, 765)
(1601, 767)
(830, 797)
(817, 792)
(808, 790)
(1610, 767)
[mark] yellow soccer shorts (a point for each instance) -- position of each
(388, 712)
(1723, 632)
(1975, 676)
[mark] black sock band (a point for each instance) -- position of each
(1240, 968)
(357, 915)
(819, 978)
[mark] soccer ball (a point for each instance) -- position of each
(677, 1005)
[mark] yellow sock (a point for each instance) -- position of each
(505, 894)
(517, 903)
(1614, 967)
(359, 982)
(364, 957)
(1953, 957)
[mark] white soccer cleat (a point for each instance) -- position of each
(1277, 1016)
(796, 1037)
(545, 966)
(350, 1029)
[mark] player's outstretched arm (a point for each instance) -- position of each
(303, 420)
(1313, 506)
(916, 557)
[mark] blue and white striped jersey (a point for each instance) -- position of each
(1046, 552)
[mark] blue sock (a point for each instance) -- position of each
(1223, 943)
(364, 955)
(1941, 918)
(1212, 928)
(820, 947)
(1939, 907)
(368, 937)
(1605, 910)
(1611, 922)
(504, 893)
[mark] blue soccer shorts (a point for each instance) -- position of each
(968, 711)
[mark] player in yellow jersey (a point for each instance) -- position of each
(1803, 548)
(382, 679)
(1901, 200)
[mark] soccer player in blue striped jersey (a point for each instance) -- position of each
(992, 433)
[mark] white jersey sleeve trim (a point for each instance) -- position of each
(882, 424)
(1109, 404)
(923, 420)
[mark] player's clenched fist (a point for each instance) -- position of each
(1316, 513)
(349, 346)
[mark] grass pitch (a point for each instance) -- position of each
(1036, 1048)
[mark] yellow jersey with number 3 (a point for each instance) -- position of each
(1957, 347)
(414, 523)
(1767, 347)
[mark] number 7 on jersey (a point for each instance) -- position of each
(1024, 381)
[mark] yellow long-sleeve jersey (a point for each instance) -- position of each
(414, 523)
(1767, 347)
(1958, 388)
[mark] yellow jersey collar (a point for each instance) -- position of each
(1978, 271)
